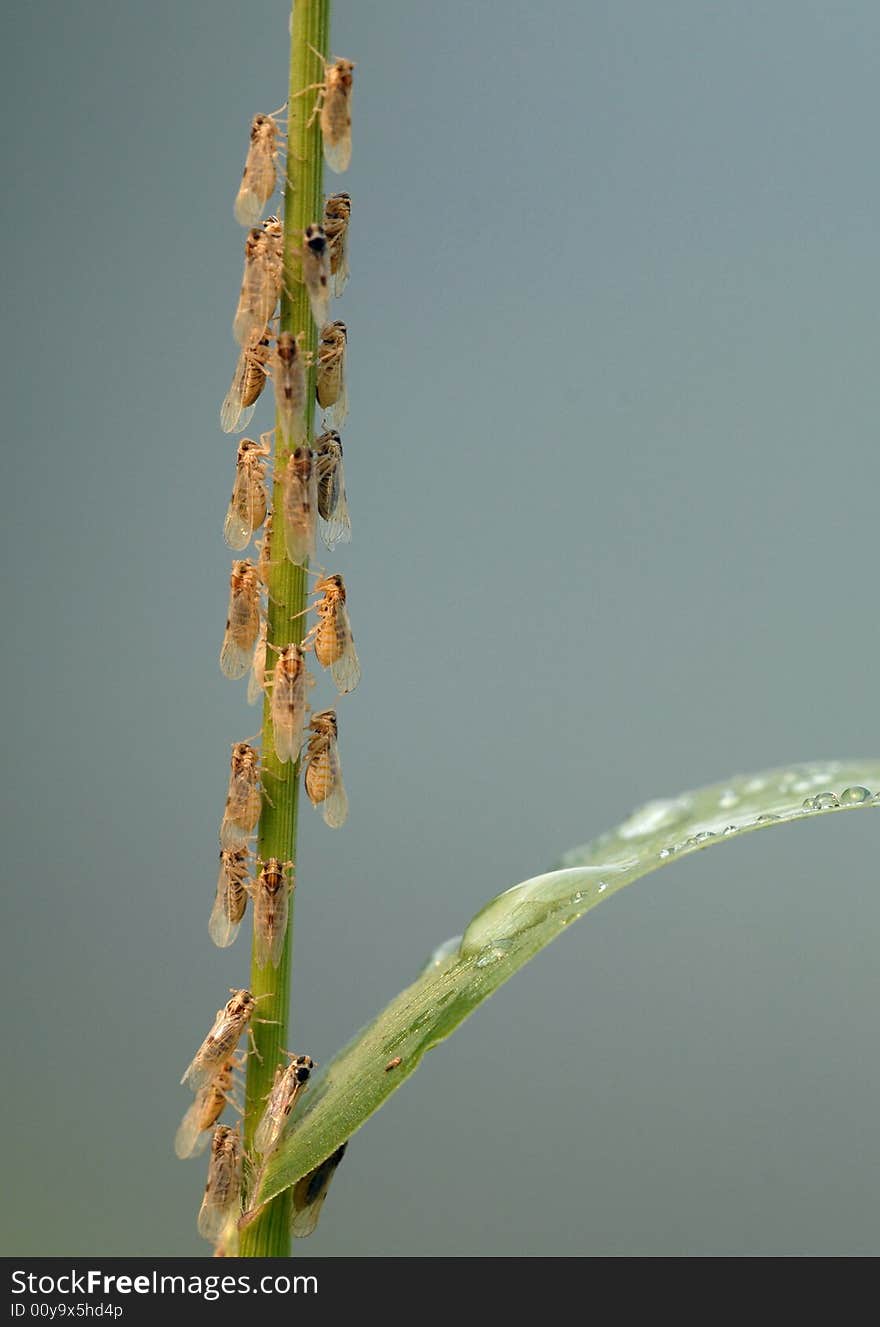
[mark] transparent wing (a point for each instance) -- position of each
(258, 669)
(267, 1132)
(260, 287)
(238, 526)
(337, 528)
(240, 637)
(256, 188)
(221, 928)
(232, 837)
(217, 1216)
(288, 713)
(300, 517)
(309, 1194)
(234, 659)
(335, 807)
(338, 155)
(337, 413)
(346, 670)
(232, 411)
(319, 300)
(190, 1140)
(248, 208)
(342, 273)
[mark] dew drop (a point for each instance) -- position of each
(490, 956)
(730, 829)
(854, 795)
(824, 801)
(652, 817)
(442, 954)
(810, 804)
(665, 852)
(766, 819)
(603, 885)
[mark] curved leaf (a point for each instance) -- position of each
(510, 929)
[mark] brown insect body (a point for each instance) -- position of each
(316, 272)
(330, 385)
(334, 518)
(290, 681)
(300, 506)
(231, 897)
(258, 178)
(288, 1086)
(336, 114)
(250, 499)
(337, 214)
(332, 634)
(248, 381)
(192, 1135)
(221, 1041)
(242, 621)
(289, 380)
(244, 799)
(261, 282)
(221, 1204)
(271, 894)
(323, 770)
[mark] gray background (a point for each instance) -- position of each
(613, 471)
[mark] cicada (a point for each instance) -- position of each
(337, 214)
(290, 681)
(192, 1135)
(242, 620)
(250, 500)
(248, 381)
(221, 1205)
(271, 893)
(221, 1041)
(288, 1086)
(323, 771)
(332, 634)
(334, 519)
(261, 282)
(316, 272)
(330, 387)
(300, 506)
(258, 178)
(230, 900)
(289, 381)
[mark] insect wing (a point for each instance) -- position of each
(242, 628)
(346, 669)
(334, 808)
(309, 1194)
(336, 529)
(234, 415)
(222, 1201)
(336, 125)
(258, 667)
(300, 514)
(258, 179)
(288, 711)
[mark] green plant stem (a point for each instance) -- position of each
(268, 1235)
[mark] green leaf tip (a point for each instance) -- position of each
(515, 925)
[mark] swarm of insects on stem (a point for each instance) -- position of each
(303, 355)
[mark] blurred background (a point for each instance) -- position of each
(613, 473)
